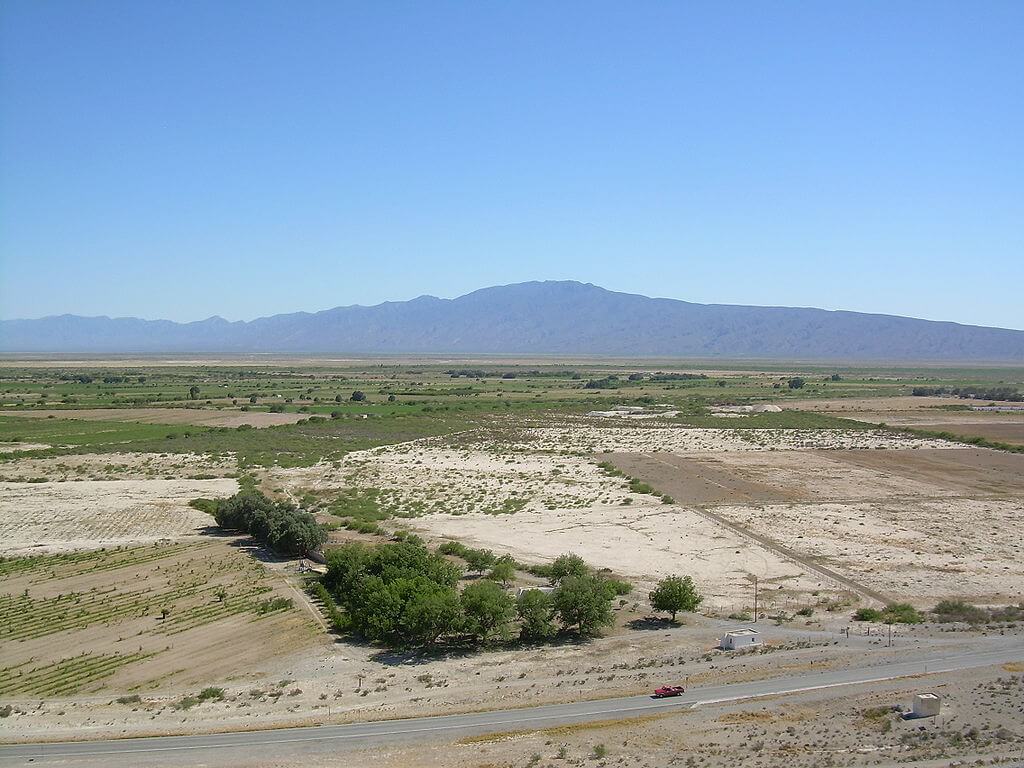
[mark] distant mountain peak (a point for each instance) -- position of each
(550, 317)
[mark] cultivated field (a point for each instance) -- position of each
(141, 618)
(825, 508)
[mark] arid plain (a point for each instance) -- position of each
(125, 611)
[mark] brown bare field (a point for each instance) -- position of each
(1006, 432)
(920, 525)
(690, 480)
(195, 416)
(845, 405)
(83, 622)
(61, 516)
(925, 413)
(972, 471)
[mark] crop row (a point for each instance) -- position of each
(65, 676)
(77, 563)
(21, 617)
(198, 615)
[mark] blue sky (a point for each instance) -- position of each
(183, 159)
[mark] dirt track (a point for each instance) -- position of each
(676, 474)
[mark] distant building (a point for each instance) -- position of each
(927, 705)
(740, 638)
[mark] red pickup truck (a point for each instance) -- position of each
(668, 690)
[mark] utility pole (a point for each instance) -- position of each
(755, 599)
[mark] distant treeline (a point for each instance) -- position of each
(977, 393)
(480, 373)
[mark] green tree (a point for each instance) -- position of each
(796, 383)
(584, 602)
(488, 610)
(674, 594)
(503, 570)
(338, 398)
(479, 560)
(193, 392)
(431, 610)
(535, 609)
(568, 565)
(358, 396)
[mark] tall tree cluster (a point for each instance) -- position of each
(401, 594)
(282, 526)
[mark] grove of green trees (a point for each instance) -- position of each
(401, 594)
(280, 525)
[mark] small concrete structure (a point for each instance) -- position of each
(926, 705)
(545, 590)
(739, 638)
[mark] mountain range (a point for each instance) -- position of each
(543, 318)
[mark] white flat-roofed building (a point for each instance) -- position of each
(736, 639)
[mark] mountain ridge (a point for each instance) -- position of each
(550, 317)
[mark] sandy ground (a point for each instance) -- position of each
(583, 438)
(926, 505)
(919, 525)
(196, 416)
(12, 447)
(643, 543)
(63, 516)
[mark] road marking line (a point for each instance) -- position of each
(126, 747)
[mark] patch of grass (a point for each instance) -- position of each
(204, 505)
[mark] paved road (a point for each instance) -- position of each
(297, 743)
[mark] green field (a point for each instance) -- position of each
(408, 401)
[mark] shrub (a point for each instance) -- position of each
(958, 610)
(902, 613)
(867, 614)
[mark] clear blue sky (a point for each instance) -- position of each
(183, 159)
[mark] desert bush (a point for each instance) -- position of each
(958, 610)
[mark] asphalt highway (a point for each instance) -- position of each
(295, 743)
